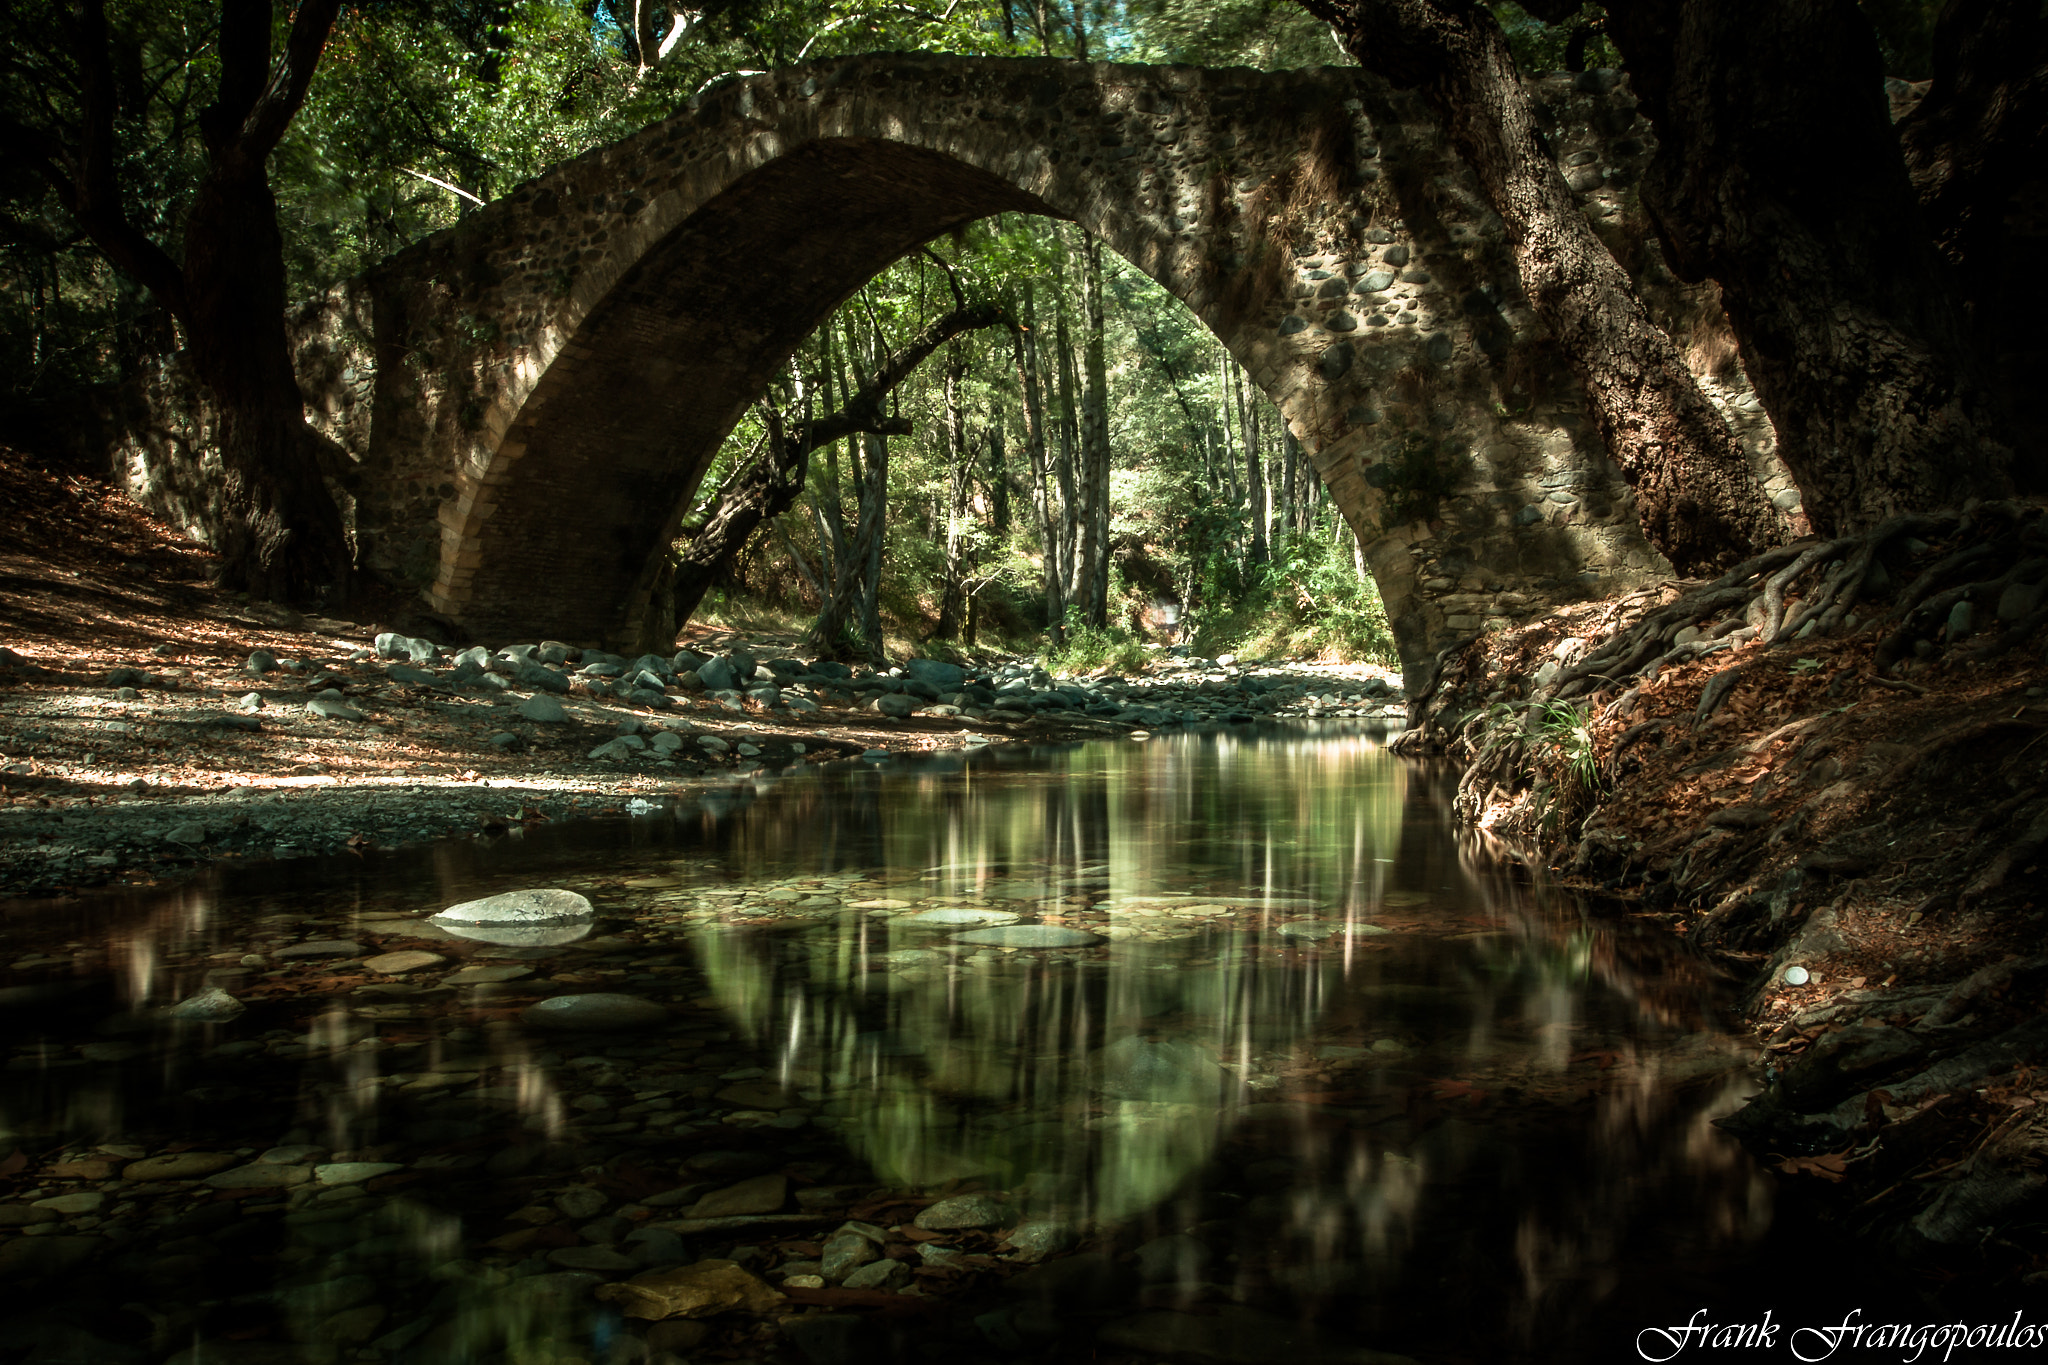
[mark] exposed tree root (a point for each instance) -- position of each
(1833, 757)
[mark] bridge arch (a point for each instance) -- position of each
(570, 358)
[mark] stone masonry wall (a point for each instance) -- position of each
(528, 400)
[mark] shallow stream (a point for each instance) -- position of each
(1222, 1046)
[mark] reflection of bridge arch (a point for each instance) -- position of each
(575, 352)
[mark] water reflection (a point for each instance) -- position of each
(1236, 1019)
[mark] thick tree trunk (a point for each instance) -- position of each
(284, 537)
(283, 534)
(1779, 176)
(1696, 498)
(1979, 134)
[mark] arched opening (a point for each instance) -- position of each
(617, 434)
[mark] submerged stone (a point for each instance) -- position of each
(692, 1291)
(1134, 1069)
(542, 906)
(596, 1010)
(210, 1006)
(956, 919)
(1030, 936)
(519, 935)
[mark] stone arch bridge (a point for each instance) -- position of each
(528, 400)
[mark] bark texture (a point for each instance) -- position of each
(1695, 495)
(284, 536)
(1778, 175)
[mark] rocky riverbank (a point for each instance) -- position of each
(128, 773)
(1855, 822)
(150, 725)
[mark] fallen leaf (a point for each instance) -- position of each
(1456, 1090)
(1831, 1167)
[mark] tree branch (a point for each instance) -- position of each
(281, 99)
(83, 177)
(244, 58)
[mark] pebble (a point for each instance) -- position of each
(1030, 936)
(546, 906)
(542, 708)
(324, 947)
(762, 1194)
(846, 1251)
(692, 1291)
(72, 1205)
(884, 1274)
(963, 1211)
(332, 708)
(954, 919)
(485, 976)
(1035, 1239)
(178, 1166)
(596, 1010)
(581, 1201)
(353, 1172)
(209, 1006)
(407, 960)
(260, 1175)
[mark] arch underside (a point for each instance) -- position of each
(616, 436)
(1311, 220)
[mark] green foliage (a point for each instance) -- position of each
(1089, 648)
(1271, 35)
(1564, 741)
(1540, 47)
(1308, 602)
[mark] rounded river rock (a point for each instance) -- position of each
(1030, 936)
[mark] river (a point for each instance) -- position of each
(1225, 1046)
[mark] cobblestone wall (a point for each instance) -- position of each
(527, 400)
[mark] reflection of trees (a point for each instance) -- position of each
(1557, 1130)
(1094, 1075)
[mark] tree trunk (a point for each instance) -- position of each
(1094, 440)
(769, 484)
(1779, 176)
(1254, 468)
(952, 586)
(1696, 498)
(1025, 344)
(283, 534)
(1069, 433)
